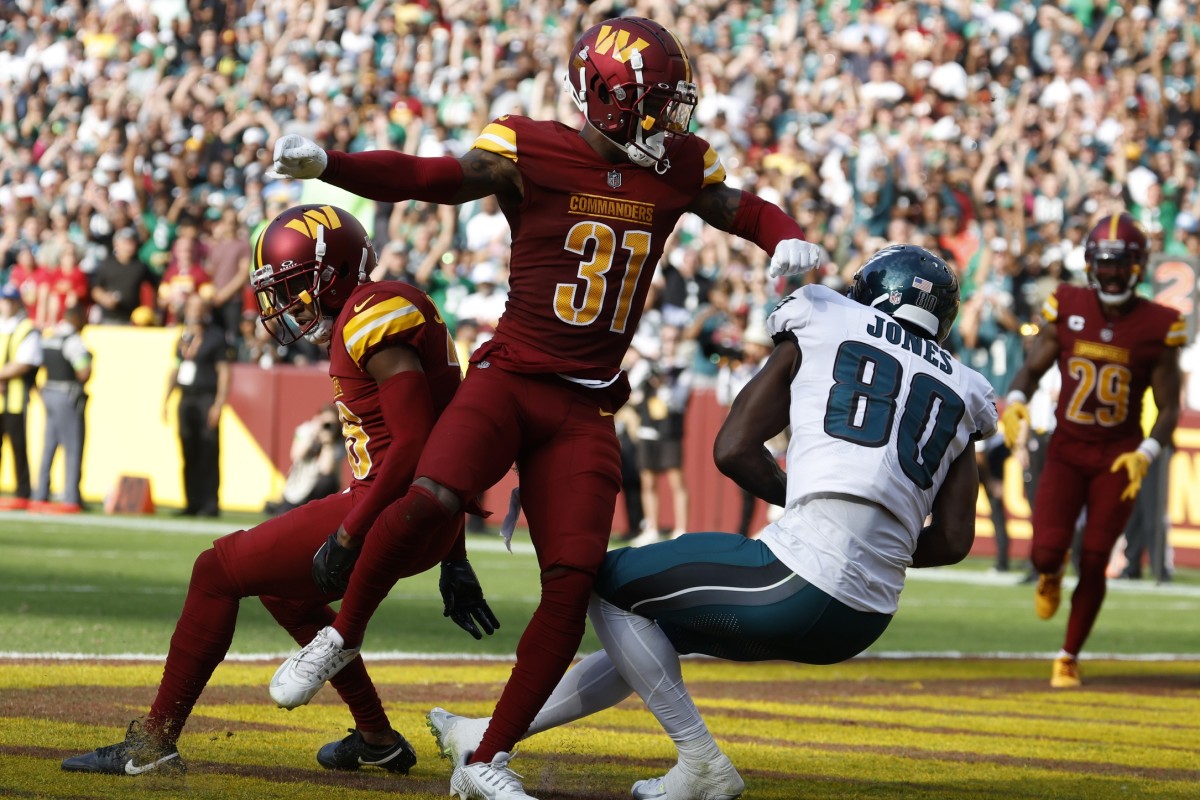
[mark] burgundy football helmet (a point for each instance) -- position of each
(1115, 252)
(633, 81)
(306, 263)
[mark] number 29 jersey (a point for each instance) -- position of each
(1106, 364)
(877, 413)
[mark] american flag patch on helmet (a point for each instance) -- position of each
(923, 284)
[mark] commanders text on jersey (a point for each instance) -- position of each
(595, 206)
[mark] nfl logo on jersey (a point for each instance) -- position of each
(614, 179)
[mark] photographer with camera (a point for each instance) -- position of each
(316, 455)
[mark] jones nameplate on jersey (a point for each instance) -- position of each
(891, 332)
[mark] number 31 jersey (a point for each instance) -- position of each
(877, 412)
(586, 238)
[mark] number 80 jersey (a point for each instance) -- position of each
(877, 412)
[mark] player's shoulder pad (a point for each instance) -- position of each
(500, 135)
(796, 310)
(376, 312)
(1177, 335)
(1064, 297)
(695, 165)
(712, 168)
(982, 404)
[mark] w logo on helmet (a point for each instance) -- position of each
(314, 218)
(618, 42)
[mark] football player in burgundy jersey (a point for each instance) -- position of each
(1110, 345)
(590, 210)
(394, 370)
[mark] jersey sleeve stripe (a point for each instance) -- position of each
(498, 139)
(714, 170)
(1050, 309)
(368, 329)
(1177, 333)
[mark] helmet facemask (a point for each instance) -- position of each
(661, 114)
(1114, 278)
(299, 287)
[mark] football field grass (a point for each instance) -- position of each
(952, 701)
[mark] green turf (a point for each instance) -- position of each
(89, 586)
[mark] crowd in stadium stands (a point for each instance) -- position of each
(135, 138)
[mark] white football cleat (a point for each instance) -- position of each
(491, 781)
(456, 735)
(303, 674)
(716, 781)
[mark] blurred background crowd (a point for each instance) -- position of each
(135, 136)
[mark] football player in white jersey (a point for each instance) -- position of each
(881, 477)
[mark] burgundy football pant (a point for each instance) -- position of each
(274, 561)
(568, 458)
(1078, 476)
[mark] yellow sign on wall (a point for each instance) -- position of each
(127, 433)
(1183, 495)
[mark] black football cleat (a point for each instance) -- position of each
(354, 752)
(137, 755)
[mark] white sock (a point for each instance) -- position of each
(591, 685)
(647, 660)
(703, 750)
(1065, 654)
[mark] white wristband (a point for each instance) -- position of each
(1015, 397)
(1150, 448)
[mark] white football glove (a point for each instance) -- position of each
(794, 257)
(297, 157)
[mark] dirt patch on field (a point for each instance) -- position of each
(561, 775)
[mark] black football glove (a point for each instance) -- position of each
(332, 566)
(463, 599)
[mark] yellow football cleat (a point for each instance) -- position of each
(1048, 595)
(1065, 674)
